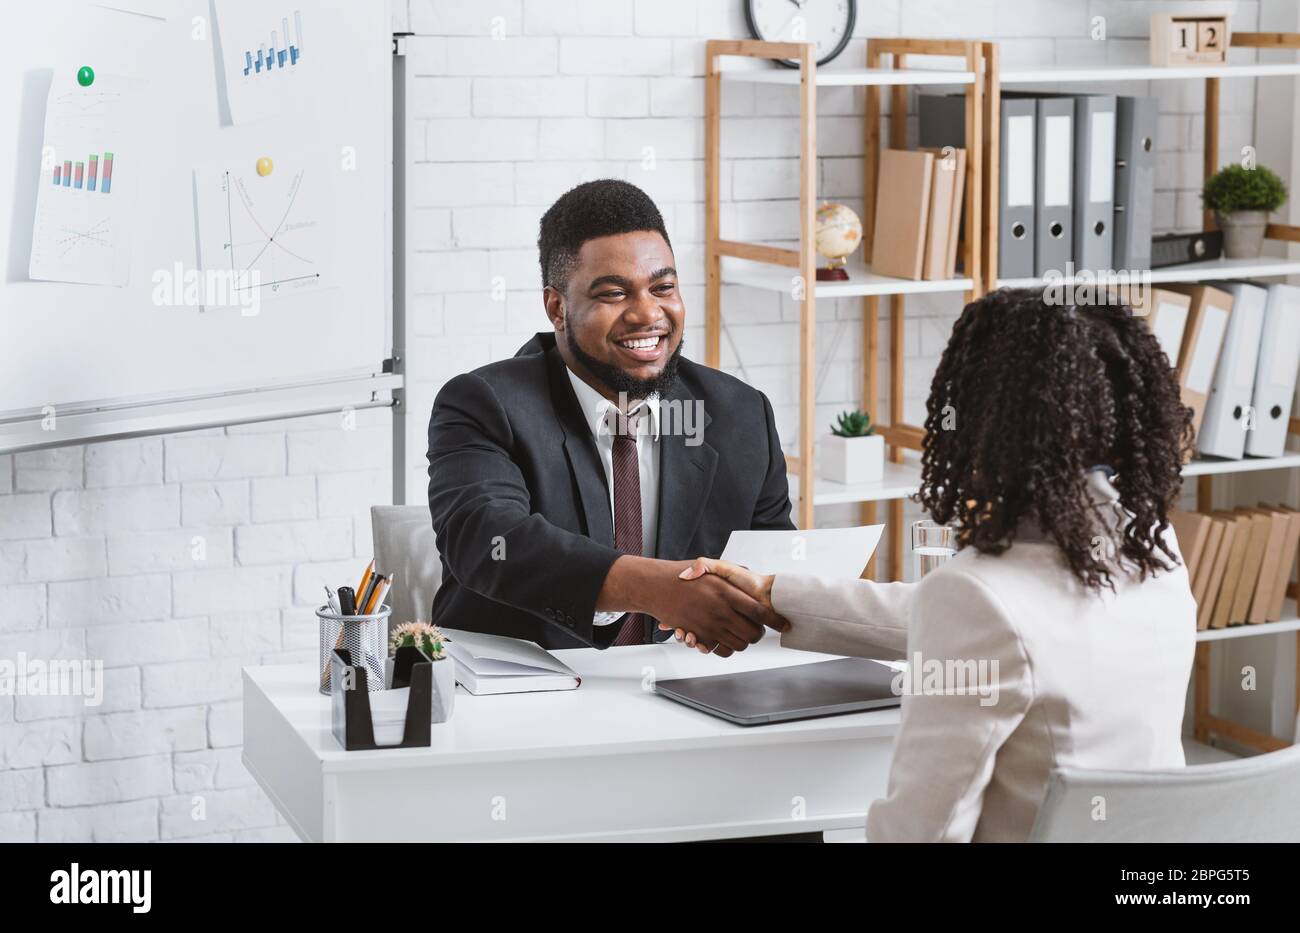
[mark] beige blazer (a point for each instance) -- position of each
(1086, 680)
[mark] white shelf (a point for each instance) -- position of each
(1209, 271)
(903, 479)
(851, 77)
(1049, 74)
(862, 281)
(899, 481)
(1288, 461)
(1289, 623)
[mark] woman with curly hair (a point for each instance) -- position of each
(1054, 442)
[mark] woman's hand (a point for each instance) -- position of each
(756, 586)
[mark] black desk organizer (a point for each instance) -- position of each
(350, 709)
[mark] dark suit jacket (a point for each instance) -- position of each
(520, 503)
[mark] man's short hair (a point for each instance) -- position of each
(593, 209)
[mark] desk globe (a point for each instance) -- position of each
(839, 233)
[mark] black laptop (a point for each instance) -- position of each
(781, 694)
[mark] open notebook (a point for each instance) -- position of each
(487, 664)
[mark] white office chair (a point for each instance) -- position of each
(1249, 800)
(404, 546)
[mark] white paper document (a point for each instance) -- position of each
(270, 233)
(89, 181)
(267, 66)
(826, 553)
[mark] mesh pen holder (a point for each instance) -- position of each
(364, 637)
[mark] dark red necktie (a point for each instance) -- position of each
(627, 514)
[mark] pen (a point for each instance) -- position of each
(347, 601)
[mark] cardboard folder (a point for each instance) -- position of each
(902, 213)
(1207, 323)
(1165, 313)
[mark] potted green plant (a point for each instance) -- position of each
(1242, 198)
(854, 452)
(429, 639)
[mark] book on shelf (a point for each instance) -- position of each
(1200, 578)
(1248, 581)
(1290, 549)
(1222, 596)
(902, 213)
(945, 211)
(1205, 601)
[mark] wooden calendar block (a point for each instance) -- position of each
(1188, 40)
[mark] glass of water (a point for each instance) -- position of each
(932, 544)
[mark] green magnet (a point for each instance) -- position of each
(85, 76)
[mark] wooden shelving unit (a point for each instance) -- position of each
(792, 268)
(769, 265)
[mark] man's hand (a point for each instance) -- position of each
(758, 587)
(722, 617)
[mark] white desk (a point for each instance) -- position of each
(608, 761)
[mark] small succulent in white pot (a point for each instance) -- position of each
(853, 453)
(430, 639)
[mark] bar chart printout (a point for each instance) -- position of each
(263, 57)
(81, 229)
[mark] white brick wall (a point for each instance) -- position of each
(96, 542)
(98, 548)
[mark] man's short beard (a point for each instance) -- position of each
(616, 380)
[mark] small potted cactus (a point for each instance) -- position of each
(429, 639)
(853, 453)
(1242, 198)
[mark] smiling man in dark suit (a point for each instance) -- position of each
(570, 485)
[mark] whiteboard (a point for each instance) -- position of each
(91, 347)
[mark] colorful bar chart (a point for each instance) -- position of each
(282, 52)
(85, 175)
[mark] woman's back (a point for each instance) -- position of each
(1104, 674)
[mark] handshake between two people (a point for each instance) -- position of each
(711, 605)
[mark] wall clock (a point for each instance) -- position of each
(828, 24)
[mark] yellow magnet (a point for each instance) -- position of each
(264, 166)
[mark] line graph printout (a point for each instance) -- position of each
(265, 60)
(88, 187)
(270, 233)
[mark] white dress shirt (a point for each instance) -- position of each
(601, 416)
